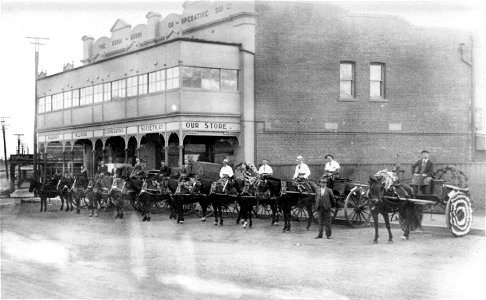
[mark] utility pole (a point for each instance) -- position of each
(36, 44)
(4, 145)
(18, 141)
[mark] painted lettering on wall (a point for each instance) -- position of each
(208, 126)
(114, 131)
(80, 134)
(195, 17)
(151, 128)
(53, 138)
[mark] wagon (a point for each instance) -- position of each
(351, 198)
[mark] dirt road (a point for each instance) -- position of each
(65, 255)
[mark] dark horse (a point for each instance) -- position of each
(223, 193)
(48, 190)
(64, 187)
(390, 198)
(188, 195)
(79, 190)
(269, 189)
(297, 193)
(247, 199)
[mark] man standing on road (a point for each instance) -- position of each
(424, 174)
(324, 201)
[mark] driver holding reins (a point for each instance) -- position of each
(302, 171)
(331, 170)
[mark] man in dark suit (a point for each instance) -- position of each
(102, 169)
(424, 173)
(324, 202)
(164, 169)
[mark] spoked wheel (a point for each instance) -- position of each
(356, 208)
(263, 211)
(299, 212)
(459, 214)
(230, 210)
(414, 219)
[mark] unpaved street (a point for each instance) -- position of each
(65, 255)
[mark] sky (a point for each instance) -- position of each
(65, 22)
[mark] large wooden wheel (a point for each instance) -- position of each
(263, 211)
(459, 214)
(230, 210)
(356, 208)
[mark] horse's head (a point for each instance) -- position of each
(376, 187)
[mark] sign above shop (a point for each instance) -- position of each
(211, 126)
(151, 128)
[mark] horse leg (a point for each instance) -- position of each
(240, 204)
(62, 202)
(249, 215)
(374, 214)
(387, 224)
(98, 207)
(221, 215)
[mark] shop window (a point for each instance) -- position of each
(157, 81)
(377, 81)
(107, 91)
(68, 98)
(191, 77)
(118, 89)
(98, 93)
(142, 84)
(347, 80)
(76, 97)
(229, 80)
(210, 79)
(173, 78)
(132, 85)
(57, 101)
(86, 95)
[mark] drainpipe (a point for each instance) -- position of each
(473, 96)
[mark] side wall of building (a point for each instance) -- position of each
(299, 47)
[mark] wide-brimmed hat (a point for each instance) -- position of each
(225, 160)
(300, 157)
(327, 155)
(425, 151)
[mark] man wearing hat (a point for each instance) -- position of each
(324, 202)
(423, 171)
(265, 170)
(331, 170)
(226, 171)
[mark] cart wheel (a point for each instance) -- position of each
(459, 214)
(230, 210)
(356, 208)
(415, 219)
(263, 211)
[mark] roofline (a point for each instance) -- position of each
(181, 39)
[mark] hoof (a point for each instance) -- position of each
(121, 216)
(90, 215)
(390, 241)
(215, 223)
(318, 237)
(203, 219)
(375, 242)
(404, 237)
(61, 209)
(148, 219)
(244, 225)
(78, 211)
(181, 222)
(96, 215)
(307, 228)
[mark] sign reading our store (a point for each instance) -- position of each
(209, 126)
(151, 128)
(114, 131)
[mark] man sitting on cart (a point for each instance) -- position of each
(424, 174)
(225, 175)
(331, 170)
(192, 174)
(302, 173)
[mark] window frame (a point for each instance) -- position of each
(382, 81)
(352, 80)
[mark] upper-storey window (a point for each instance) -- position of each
(377, 80)
(210, 79)
(142, 84)
(173, 78)
(42, 105)
(68, 97)
(98, 93)
(107, 91)
(191, 77)
(86, 95)
(132, 83)
(57, 101)
(118, 89)
(347, 80)
(76, 97)
(48, 103)
(229, 80)
(157, 81)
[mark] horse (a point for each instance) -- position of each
(269, 189)
(116, 193)
(297, 193)
(187, 194)
(64, 188)
(48, 190)
(382, 192)
(79, 189)
(246, 185)
(101, 190)
(223, 193)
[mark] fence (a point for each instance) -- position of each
(475, 172)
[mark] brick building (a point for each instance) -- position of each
(254, 80)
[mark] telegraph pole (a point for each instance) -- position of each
(36, 44)
(18, 141)
(4, 145)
